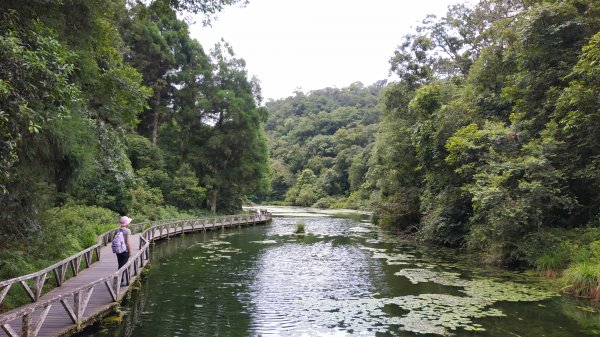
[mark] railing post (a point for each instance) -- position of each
(4, 291)
(39, 285)
(117, 285)
(97, 249)
(26, 328)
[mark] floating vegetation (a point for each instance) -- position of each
(375, 250)
(359, 230)
(215, 250)
(424, 275)
(438, 313)
(230, 250)
(265, 242)
(218, 243)
(493, 291)
(393, 258)
(218, 257)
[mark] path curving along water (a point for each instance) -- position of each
(94, 291)
(343, 277)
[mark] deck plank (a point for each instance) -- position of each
(57, 321)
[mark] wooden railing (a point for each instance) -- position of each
(75, 302)
(33, 284)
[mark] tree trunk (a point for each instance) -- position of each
(157, 91)
(155, 127)
(155, 117)
(213, 201)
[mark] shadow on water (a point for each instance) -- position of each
(343, 277)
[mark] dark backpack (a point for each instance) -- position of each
(118, 243)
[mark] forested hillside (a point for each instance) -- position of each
(110, 107)
(321, 143)
(490, 138)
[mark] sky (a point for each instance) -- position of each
(307, 45)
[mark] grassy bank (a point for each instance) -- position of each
(572, 257)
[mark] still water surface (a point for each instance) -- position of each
(344, 277)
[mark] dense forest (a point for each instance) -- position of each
(487, 139)
(109, 107)
(321, 144)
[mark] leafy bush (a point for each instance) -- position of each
(142, 153)
(147, 203)
(358, 199)
(69, 229)
(187, 193)
(305, 191)
(554, 260)
(64, 231)
(14, 263)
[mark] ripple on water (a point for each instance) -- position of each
(342, 278)
(293, 280)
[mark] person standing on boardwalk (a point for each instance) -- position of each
(121, 244)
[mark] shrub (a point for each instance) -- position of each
(582, 279)
(69, 229)
(147, 203)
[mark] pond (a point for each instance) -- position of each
(343, 277)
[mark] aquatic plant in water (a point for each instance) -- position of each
(300, 228)
(442, 313)
(436, 313)
(425, 275)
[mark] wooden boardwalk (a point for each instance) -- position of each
(92, 292)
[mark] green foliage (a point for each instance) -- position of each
(490, 137)
(306, 190)
(34, 85)
(110, 183)
(13, 263)
(393, 171)
(329, 131)
(147, 203)
(64, 231)
(186, 194)
(582, 279)
(143, 154)
(69, 229)
(324, 202)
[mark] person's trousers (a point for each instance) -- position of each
(122, 258)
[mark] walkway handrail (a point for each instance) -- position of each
(80, 298)
(60, 268)
(73, 262)
(81, 295)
